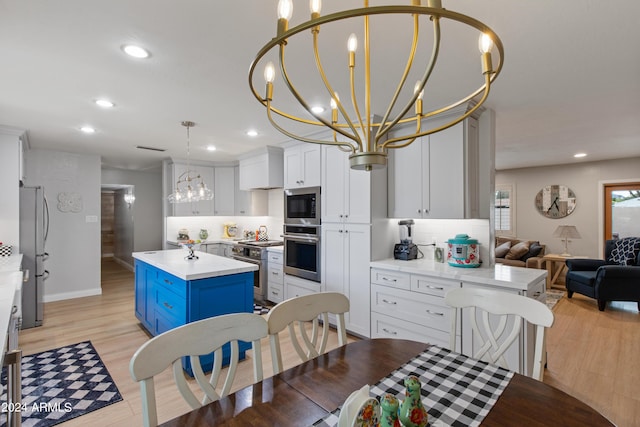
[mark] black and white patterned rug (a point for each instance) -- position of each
(260, 309)
(61, 384)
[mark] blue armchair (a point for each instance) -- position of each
(605, 280)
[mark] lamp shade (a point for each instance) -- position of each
(567, 232)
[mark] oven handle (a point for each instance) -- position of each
(249, 260)
(301, 238)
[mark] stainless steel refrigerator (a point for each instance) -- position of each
(34, 227)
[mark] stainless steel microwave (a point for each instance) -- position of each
(302, 206)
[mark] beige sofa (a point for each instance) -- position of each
(519, 253)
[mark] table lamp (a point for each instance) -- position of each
(566, 232)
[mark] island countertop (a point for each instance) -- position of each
(207, 265)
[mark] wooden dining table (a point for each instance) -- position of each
(308, 392)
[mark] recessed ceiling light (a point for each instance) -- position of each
(104, 103)
(317, 109)
(135, 51)
(88, 129)
(252, 132)
(578, 155)
(211, 148)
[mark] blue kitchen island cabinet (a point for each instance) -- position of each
(171, 291)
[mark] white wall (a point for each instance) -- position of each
(9, 188)
(74, 238)
(585, 179)
(147, 208)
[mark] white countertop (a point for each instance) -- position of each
(498, 275)
(10, 263)
(207, 265)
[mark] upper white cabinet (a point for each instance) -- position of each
(249, 203)
(437, 175)
(302, 165)
(262, 169)
(204, 207)
(224, 190)
(349, 195)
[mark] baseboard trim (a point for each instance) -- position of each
(123, 264)
(72, 295)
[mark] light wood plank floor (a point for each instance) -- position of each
(592, 355)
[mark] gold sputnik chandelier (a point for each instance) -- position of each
(368, 139)
(190, 187)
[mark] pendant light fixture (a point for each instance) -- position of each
(190, 187)
(367, 138)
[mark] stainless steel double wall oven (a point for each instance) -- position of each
(302, 233)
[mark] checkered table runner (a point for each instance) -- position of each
(456, 390)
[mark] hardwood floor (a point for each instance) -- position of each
(592, 355)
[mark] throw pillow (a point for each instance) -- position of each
(625, 251)
(517, 251)
(534, 250)
(502, 250)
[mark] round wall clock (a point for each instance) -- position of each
(555, 201)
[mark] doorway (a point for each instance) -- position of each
(621, 210)
(117, 231)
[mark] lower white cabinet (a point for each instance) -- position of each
(275, 276)
(410, 306)
(345, 268)
(295, 287)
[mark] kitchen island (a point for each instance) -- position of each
(171, 291)
(407, 302)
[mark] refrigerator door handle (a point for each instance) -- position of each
(45, 256)
(46, 217)
(45, 275)
(25, 275)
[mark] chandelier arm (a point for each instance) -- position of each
(351, 146)
(354, 100)
(412, 52)
(454, 122)
(413, 137)
(427, 73)
(355, 137)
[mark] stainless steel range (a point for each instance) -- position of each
(255, 252)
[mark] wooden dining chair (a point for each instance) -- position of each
(301, 311)
(496, 335)
(194, 339)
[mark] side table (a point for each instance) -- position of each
(555, 264)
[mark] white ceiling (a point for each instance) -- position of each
(571, 80)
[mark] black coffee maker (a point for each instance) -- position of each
(405, 250)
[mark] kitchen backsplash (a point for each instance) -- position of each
(215, 224)
(426, 231)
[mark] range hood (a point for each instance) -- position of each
(262, 169)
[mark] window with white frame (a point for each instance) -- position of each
(505, 210)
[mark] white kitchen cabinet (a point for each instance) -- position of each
(262, 169)
(202, 208)
(349, 195)
(249, 203)
(345, 265)
(302, 165)
(296, 286)
(437, 175)
(407, 301)
(224, 190)
(275, 276)
(410, 306)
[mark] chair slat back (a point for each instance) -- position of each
(496, 320)
(301, 311)
(195, 339)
